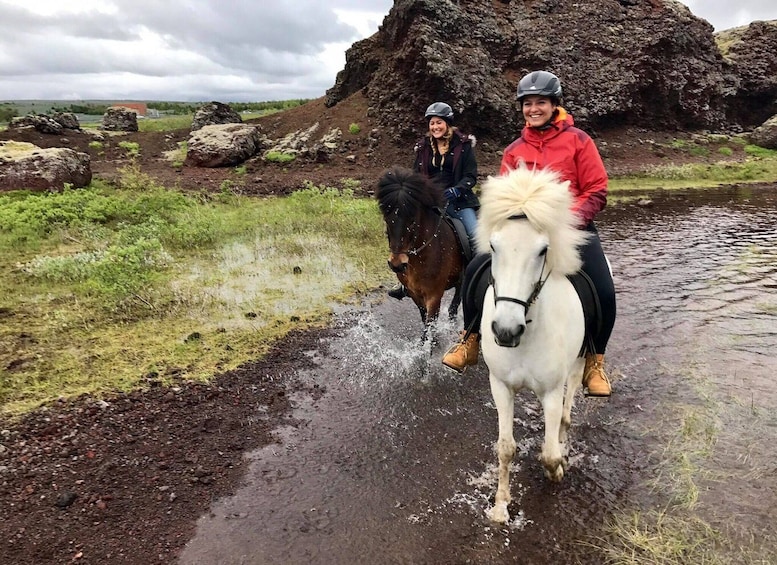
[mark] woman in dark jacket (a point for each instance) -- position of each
(447, 156)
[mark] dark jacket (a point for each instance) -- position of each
(465, 167)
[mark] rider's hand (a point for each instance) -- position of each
(452, 193)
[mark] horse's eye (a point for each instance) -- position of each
(544, 252)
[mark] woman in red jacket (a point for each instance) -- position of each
(550, 140)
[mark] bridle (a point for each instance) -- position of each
(535, 290)
(423, 246)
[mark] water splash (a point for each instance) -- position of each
(372, 354)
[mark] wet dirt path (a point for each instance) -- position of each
(394, 463)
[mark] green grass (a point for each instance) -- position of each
(178, 156)
(674, 531)
(184, 121)
(762, 168)
(103, 285)
(760, 152)
(279, 157)
(132, 148)
(166, 123)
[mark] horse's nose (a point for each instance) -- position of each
(507, 336)
(398, 263)
(400, 268)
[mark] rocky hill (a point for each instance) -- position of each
(645, 63)
(637, 74)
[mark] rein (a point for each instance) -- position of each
(418, 250)
(535, 290)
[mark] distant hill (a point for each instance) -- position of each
(86, 108)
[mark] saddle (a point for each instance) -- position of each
(461, 234)
(592, 309)
(474, 293)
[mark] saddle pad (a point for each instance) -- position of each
(592, 309)
(461, 234)
(474, 293)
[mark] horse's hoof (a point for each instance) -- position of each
(556, 473)
(499, 513)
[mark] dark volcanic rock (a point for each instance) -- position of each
(215, 113)
(765, 135)
(25, 166)
(119, 118)
(41, 123)
(648, 63)
(751, 53)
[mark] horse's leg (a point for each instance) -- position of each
(504, 399)
(574, 382)
(551, 457)
(433, 311)
(566, 416)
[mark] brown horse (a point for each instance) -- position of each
(425, 253)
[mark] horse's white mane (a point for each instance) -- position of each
(547, 203)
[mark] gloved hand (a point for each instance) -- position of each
(451, 193)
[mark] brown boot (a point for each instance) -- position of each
(594, 378)
(463, 354)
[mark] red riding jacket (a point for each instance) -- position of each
(570, 152)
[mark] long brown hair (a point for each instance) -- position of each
(436, 154)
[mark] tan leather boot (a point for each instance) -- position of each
(594, 378)
(463, 354)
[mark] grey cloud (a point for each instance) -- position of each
(17, 23)
(722, 14)
(301, 27)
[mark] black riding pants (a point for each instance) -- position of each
(594, 265)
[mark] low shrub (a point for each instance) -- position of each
(132, 148)
(279, 157)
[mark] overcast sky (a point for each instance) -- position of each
(201, 50)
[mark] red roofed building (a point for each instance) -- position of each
(140, 108)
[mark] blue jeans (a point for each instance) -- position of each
(467, 217)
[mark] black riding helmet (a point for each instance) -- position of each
(441, 110)
(541, 83)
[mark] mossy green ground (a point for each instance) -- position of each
(105, 288)
(108, 286)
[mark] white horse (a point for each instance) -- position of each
(533, 326)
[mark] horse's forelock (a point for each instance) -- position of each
(544, 199)
(403, 190)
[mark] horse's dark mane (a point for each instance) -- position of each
(402, 189)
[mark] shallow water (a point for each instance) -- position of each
(394, 463)
(697, 291)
